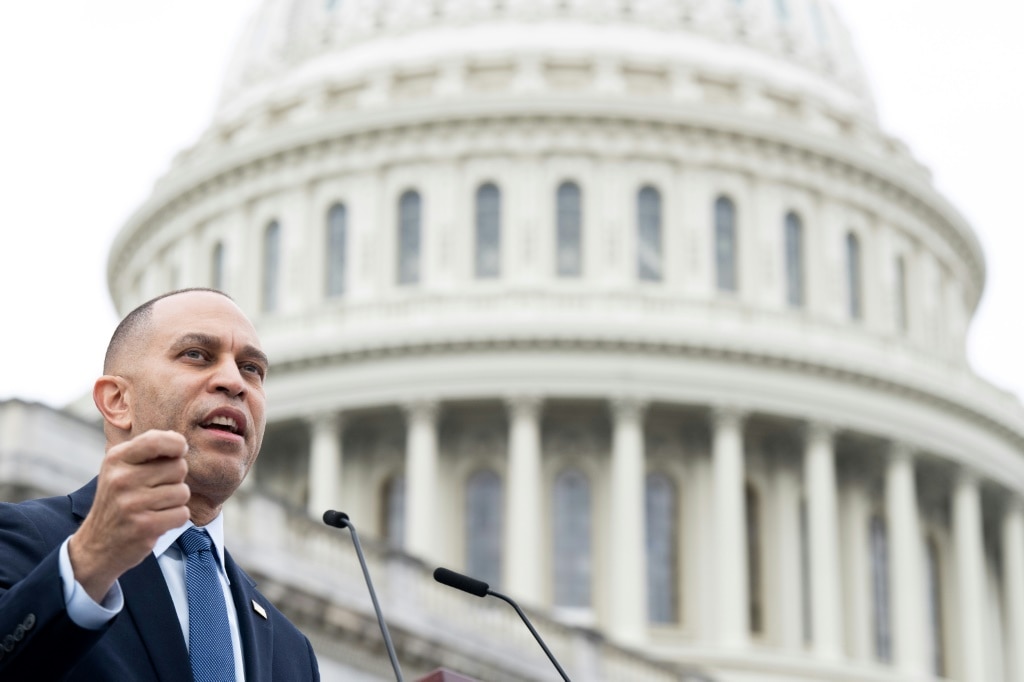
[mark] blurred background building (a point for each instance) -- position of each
(626, 307)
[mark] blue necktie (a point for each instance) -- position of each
(209, 637)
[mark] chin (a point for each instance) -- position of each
(224, 479)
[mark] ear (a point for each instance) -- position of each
(112, 398)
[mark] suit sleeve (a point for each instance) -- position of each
(38, 640)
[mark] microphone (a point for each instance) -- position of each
(336, 518)
(340, 520)
(479, 588)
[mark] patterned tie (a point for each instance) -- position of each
(209, 637)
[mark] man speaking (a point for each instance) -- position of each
(127, 579)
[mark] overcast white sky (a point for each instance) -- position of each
(99, 95)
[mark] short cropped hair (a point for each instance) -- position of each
(137, 320)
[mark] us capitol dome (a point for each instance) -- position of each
(628, 308)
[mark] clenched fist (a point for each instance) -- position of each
(140, 494)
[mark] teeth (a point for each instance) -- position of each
(223, 421)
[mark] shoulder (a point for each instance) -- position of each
(45, 521)
(37, 521)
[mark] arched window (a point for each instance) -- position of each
(569, 247)
(488, 231)
(393, 510)
(900, 295)
(879, 538)
(337, 236)
(484, 504)
(794, 260)
(935, 610)
(572, 539)
(662, 535)
(853, 277)
(755, 580)
(725, 244)
(648, 235)
(409, 234)
(271, 266)
(217, 266)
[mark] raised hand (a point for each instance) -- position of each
(141, 494)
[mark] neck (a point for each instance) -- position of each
(202, 511)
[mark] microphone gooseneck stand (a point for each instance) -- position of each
(479, 588)
(340, 520)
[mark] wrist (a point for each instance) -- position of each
(87, 571)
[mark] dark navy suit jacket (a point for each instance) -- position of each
(38, 641)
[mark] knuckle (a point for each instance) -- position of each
(114, 456)
(117, 478)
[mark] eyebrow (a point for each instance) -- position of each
(210, 341)
(256, 354)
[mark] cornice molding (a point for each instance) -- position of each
(1012, 433)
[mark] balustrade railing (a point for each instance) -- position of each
(485, 637)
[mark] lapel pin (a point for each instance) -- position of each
(259, 609)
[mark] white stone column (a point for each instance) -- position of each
(523, 523)
(1013, 584)
(906, 568)
(970, 572)
(856, 564)
(627, 565)
(730, 546)
(325, 464)
(785, 590)
(822, 534)
(421, 478)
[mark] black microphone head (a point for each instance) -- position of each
(336, 518)
(461, 582)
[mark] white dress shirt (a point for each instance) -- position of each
(86, 613)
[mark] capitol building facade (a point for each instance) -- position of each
(626, 307)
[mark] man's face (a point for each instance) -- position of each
(199, 371)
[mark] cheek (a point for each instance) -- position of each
(155, 410)
(258, 409)
(259, 419)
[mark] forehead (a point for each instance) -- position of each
(202, 312)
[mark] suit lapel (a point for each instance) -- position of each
(81, 499)
(254, 628)
(147, 600)
(149, 604)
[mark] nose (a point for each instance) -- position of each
(228, 379)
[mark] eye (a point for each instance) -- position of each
(253, 368)
(193, 354)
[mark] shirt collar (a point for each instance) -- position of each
(215, 529)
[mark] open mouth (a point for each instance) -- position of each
(222, 423)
